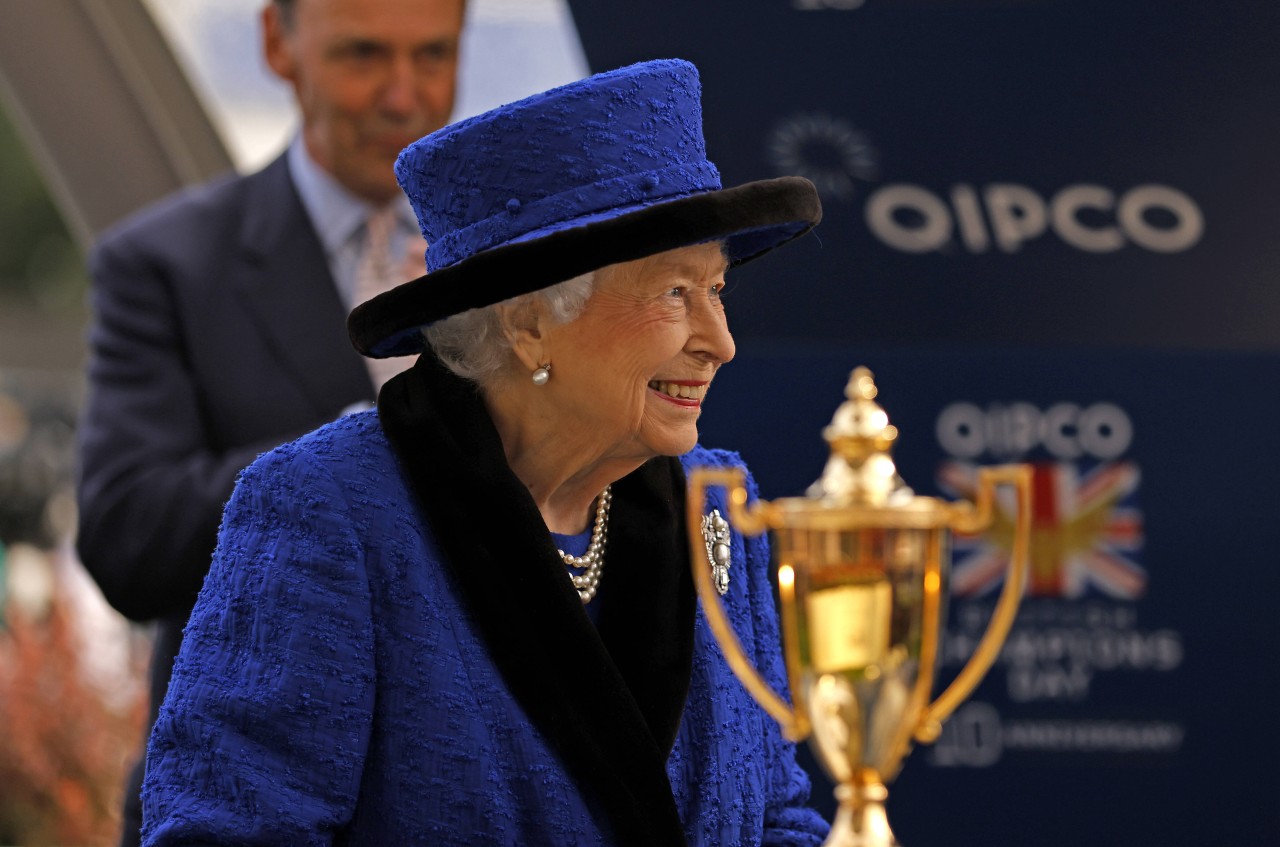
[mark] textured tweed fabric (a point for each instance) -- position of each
(334, 688)
(598, 147)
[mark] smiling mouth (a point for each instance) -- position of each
(680, 391)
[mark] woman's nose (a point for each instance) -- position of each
(711, 337)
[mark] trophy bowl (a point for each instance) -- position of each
(862, 570)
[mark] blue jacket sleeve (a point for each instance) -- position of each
(262, 737)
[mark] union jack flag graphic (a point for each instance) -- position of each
(1085, 532)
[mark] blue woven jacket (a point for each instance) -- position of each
(335, 685)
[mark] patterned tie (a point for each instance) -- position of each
(380, 270)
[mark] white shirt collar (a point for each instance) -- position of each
(336, 213)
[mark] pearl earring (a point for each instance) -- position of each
(542, 374)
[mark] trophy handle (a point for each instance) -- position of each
(750, 521)
(970, 519)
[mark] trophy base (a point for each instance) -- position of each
(861, 820)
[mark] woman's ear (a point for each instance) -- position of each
(522, 326)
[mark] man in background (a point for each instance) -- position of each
(219, 313)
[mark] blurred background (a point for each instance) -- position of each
(1050, 231)
(78, 151)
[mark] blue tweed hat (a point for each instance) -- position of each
(604, 170)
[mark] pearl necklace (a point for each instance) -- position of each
(588, 582)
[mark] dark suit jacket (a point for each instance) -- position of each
(218, 334)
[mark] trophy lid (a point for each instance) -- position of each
(860, 470)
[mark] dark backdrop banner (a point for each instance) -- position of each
(1050, 231)
(1099, 171)
(1132, 703)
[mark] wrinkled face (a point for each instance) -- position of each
(631, 372)
(371, 77)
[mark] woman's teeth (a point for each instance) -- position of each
(684, 392)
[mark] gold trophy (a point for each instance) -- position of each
(862, 579)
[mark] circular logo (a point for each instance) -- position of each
(827, 151)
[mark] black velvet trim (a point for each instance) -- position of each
(609, 700)
(754, 218)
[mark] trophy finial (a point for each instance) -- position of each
(861, 385)
(860, 469)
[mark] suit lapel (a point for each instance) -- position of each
(609, 701)
(289, 289)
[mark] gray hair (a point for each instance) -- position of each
(472, 343)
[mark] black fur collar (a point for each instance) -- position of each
(608, 699)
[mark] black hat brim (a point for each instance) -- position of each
(753, 219)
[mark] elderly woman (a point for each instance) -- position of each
(469, 617)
